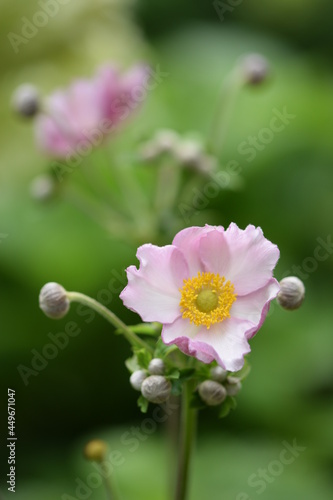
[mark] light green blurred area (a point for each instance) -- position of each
(287, 190)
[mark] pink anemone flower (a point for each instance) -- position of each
(76, 119)
(210, 289)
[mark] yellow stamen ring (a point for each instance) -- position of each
(207, 299)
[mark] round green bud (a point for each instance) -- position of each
(255, 68)
(156, 389)
(137, 378)
(95, 450)
(233, 385)
(292, 293)
(156, 366)
(53, 300)
(42, 187)
(218, 373)
(26, 101)
(212, 393)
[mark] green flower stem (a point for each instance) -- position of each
(110, 491)
(110, 317)
(168, 183)
(134, 198)
(187, 431)
(107, 218)
(224, 110)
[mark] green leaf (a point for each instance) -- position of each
(144, 357)
(161, 350)
(203, 371)
(196, 402)
(177, 388)
(174, 374)
(229, 404)
(143, 404)
(186, 374)
(153, 329)
(132, 364)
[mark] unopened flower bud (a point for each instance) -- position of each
(25, 100)
(95, 450)
(53, 300)
(189, 152)
(42, 188)
(218, 373)
(233, 385)
(291, 294)
(166, 140)
(156, 366)
(156, 389)
(212, 393)
(255, 68)
(137, 378)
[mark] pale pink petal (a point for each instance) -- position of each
(109, 92)
(88, 111)
(215, 253)
(253, 258)
(225, 342)
(153, 289)
(182, 333)
(254, 306)
(50, 138)
(83, 107)
(136, 77)
(188, 240)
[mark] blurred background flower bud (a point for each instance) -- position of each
(53, 301)
(95, 450)
(137, 378)
(26, 100)
(292, 293)
(212, 393)
(255, 68)
(164, 141)
(156, 389)
(218, 373)
(156, 366)
(233, 385)
(189, 152)
(42, 188)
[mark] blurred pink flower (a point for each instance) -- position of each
(82, 116)
(210, 289)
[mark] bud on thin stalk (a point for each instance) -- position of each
(254, 68)
(95, 450)
(26, 101)
(292, 293)
(53, 300)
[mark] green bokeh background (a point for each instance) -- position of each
(287, 190)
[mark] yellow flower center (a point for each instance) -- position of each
(207, 299)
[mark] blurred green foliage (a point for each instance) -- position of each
(287, 190)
